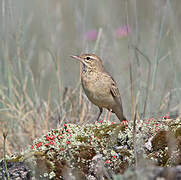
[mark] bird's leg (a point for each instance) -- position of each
(100, 112)
(109, 114)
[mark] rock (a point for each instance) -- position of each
(16, 170)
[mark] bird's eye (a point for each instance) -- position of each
(87, 58)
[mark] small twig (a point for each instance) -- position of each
(4, 152)
(164, 57)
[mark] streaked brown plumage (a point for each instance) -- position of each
(99, 86)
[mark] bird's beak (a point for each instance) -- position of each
(77, 57)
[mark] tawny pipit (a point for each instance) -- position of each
(99, 86)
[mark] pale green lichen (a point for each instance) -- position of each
(74, 146)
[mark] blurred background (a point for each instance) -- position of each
(39, 82)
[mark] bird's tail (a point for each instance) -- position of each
(119, 114)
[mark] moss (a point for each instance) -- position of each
(18, 158)
(179, 143)
(107, 131)
(82, 138)
(124, 152)
(78, 150)
(123, 166)
(83, 157)
(160, 158)
(61, 167)
(160, 140)
(166, 144)
(72, 148)
(178, 132)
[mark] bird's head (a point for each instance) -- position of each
(90, 61)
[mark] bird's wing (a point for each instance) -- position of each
(117, 97)
(115, 93)
(118, 110)
(114, 89)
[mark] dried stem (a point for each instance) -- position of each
(148, 78)
(134, 129)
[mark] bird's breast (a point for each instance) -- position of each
(90, 82)
(97, 89)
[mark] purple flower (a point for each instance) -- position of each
(122, 31)
(91, 35)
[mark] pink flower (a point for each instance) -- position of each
(91, 35)
(122, 31)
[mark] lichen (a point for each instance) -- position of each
(72, 149)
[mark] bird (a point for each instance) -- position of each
(99, 86)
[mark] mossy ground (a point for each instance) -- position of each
(82, 150)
